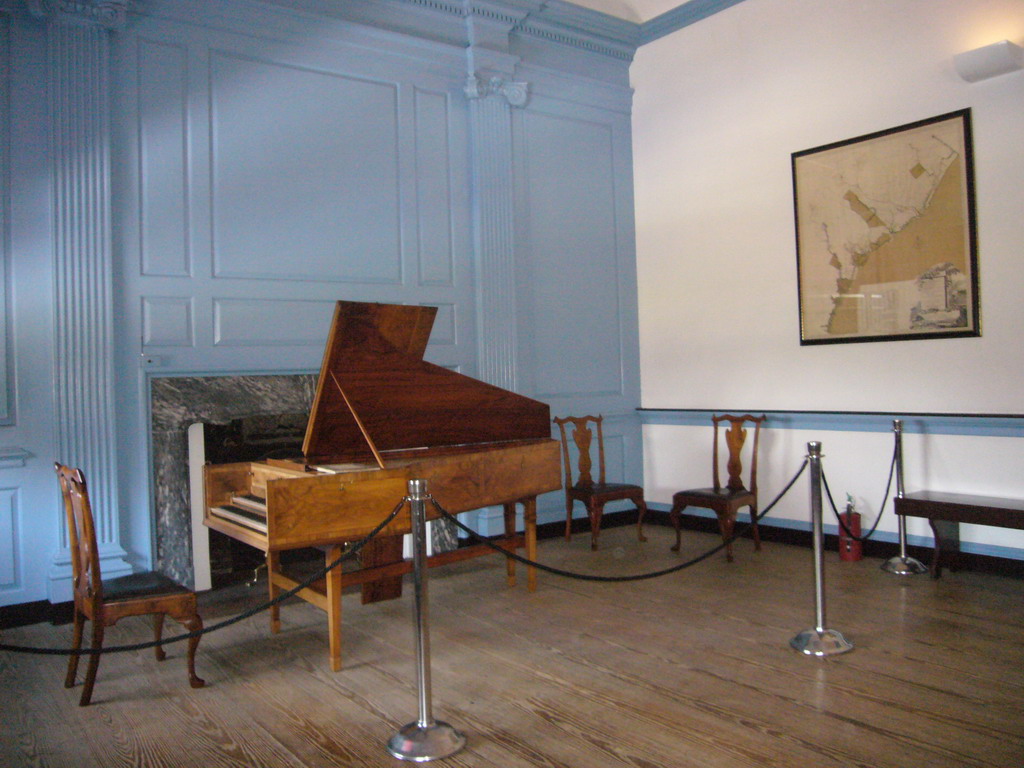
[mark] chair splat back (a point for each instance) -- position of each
(735, 437)
(85, 560)
(735, 495)
(593, 495)
(582, 436)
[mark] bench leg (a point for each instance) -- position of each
(947, 546)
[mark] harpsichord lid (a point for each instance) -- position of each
(376, 394)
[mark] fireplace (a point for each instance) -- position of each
(245, 418)
(177, 403)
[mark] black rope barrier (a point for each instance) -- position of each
(881, 508)
(347, 555)
(354, 550)
(634, 577)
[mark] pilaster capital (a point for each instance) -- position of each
(109, 14)
(516, 93)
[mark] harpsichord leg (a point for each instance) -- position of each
(273, 566)
(530, 529)
(510, 531)
(334, 606)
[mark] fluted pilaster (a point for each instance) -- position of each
(490, 110)
(80, 151)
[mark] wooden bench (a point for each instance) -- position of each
(945, 511)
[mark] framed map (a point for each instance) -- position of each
(885, 235)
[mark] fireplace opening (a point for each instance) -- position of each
(251, 438)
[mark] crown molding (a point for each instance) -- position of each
(551, 20)
(683, 16)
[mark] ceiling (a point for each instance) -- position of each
(637, 11)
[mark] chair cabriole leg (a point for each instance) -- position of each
(725, 525)
(76, 643)
(158, 629)
(674, 514)
(595, 525)
(94, 663)
(195, 624)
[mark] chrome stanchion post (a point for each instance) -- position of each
(901, 564)
(425, 738)
(818, 641)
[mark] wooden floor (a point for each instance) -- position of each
(692, 669)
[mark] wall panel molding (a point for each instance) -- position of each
(578, 314)
(444, 331)
(164, 179)
(13, 457)
(7, 380)
(10, 540)
(167, 321)
(435, 204)
(304, 162)
(270, 322)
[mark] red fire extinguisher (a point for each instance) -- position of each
(849, 547)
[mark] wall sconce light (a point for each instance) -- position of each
(989, 61)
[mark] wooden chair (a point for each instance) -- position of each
(104, 603)
(593, 495)
(726, 501)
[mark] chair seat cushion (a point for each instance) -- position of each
(145, 584)
(614, 487)
(608, 491)
(722, 494)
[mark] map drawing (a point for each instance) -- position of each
(883, 236)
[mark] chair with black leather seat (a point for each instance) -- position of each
(593, 495)
(726, 501)
(105, 602)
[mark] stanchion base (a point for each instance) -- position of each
(824, 642)
(904, 566)
(420, 743)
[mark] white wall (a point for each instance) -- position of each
(719, 108)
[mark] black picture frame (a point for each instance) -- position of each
(886, 236)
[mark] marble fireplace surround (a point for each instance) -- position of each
(178, 402)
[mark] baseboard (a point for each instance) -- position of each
(1000, 566)
(33, 613)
